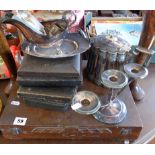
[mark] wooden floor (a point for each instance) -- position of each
(146, 109)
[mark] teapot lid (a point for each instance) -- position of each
(111, 42)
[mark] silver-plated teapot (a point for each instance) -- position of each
(40, 32)
(48, 39)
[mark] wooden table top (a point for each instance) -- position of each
(145, 107)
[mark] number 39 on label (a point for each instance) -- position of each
(20, 121)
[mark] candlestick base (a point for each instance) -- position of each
(112, 113)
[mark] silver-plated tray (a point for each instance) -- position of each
(71, 44)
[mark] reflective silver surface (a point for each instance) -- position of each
(114, 110)
(60, 47)
(121, 55)
(108, 51)
(112, 113)
(96, 64)
(30, 21)
(137, 92)
(37, 32)
(135, 71)
(111, 42)
(71, 44)
(111, 56)
(148, 54)
(114, 79)
(86, 102)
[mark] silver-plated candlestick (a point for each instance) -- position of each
(115, 110)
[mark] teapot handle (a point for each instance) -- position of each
(64, 17)
(84, 34)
